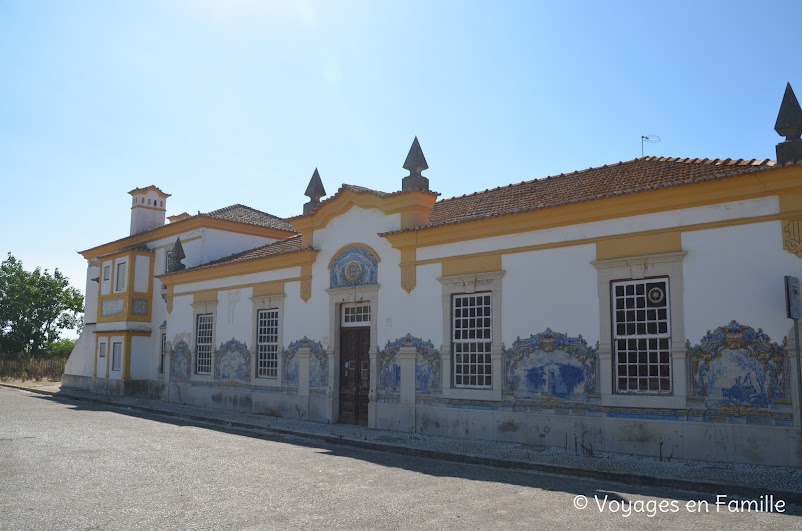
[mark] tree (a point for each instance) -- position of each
(34, 307)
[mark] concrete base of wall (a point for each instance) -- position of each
(150, 388)
(738, 443)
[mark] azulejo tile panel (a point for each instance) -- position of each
(736, 366)
(354, 267)
(427, 366)
(139, 306)
(232, 361)
(551, 365)
(180, 361)
(318, 363)
(112, 308)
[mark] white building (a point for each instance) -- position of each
(637, 307)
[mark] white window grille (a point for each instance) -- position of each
(101, 350)
(116, 356)
(163, 353)
(122, 274)
(356, 314)
(203, 344)
(267, 343)
(642, 336)
(472, 333)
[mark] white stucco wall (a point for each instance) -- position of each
(737, 273)
(218, 244)
(105, 283)
(141, 273)
(555, 288)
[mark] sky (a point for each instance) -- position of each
(238, 101)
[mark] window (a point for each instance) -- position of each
(101, 350)
(267, 343)
(203, 344)
(167, 256)
(116, 355)
(356, 314)
(472, 340)
(106, 272)
(120, 280)
(641, 335)
(163, 353)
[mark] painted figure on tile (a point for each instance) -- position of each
(738, 366)
(179, 365)
(354, 267)
(232, 361)
(551, 364)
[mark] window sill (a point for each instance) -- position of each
(645, 401)
(265, 382)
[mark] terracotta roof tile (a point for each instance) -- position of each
(251, 216)
(289, 245)
(647, 173)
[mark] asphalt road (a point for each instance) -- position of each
(69, 465)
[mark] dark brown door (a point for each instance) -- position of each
(354, 375)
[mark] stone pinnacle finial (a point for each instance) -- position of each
(415, 164)
(176, 255)
(789, 125)
(314, 192)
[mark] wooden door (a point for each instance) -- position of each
(354, 375)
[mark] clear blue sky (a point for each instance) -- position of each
(237, 101)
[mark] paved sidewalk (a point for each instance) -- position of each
(749, 481)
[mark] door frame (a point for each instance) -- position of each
(337, 296)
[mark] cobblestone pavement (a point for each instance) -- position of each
(732, 479)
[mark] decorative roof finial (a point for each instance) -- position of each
(415, 163)
(789, 125)
(314, 192)
(176, 255)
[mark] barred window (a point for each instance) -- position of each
(267, 343)
(163, 353)
(471, 340)
(203, 344)
(116, 356)
(642, 336)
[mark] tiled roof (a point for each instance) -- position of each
(251, 216)
(290, 245)
(142, 248)
(647, 173)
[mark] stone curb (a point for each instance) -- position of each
(710, 487)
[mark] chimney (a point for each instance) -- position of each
(789, 125)
(147, 209)
(415, 163)
(314, 192)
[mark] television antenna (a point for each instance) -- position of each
(649, 139)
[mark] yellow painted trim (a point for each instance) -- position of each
(344, 248)
(150, 188)
(484, 263)
(178, 228)
(767, 183)
(634, 245)
(275, 287)
(590, 241)
(170, 298)
(122, 333)
(259, 265)
(209, 295)
(306, 282)
(241, 286)
(409, 273)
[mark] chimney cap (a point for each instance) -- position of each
(150, 188)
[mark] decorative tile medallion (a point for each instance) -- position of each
(551, 364)
(232, 361)
(354, 267)
(112, 307)
(736, 366)
(139, 306)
